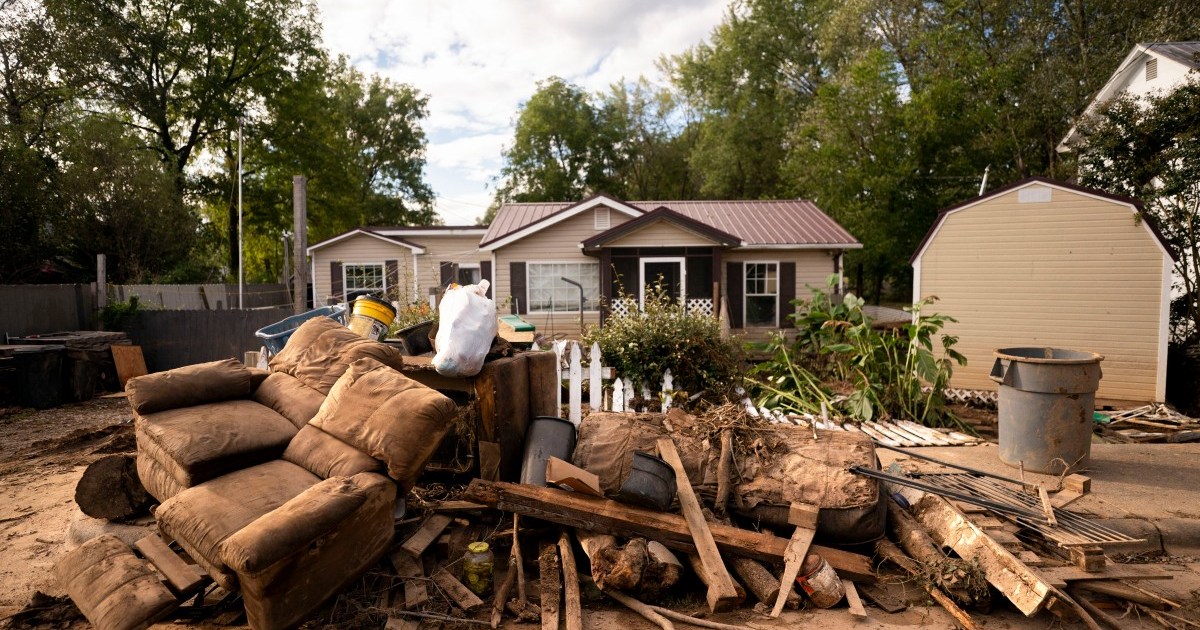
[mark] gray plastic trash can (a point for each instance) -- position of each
(1047, 397)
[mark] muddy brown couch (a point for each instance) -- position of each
(284, 484)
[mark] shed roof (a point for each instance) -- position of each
(662, 213)
(1186, 53)
(756, 223)
(1095, 192)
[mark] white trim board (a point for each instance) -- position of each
(355, 232)
(560, 216)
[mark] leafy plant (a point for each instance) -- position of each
(839, 363)
(119, 315)
(411, 315)
(642, 344)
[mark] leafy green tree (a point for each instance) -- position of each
(656, 135)
(1149, 148)
(563, 147)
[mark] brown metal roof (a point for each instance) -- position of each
(1136, 203)
(767, 222)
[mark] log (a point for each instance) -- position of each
(574, 609)
(616, 566)
(722, 595)
(638, 607)
(664, 569)
(610, 517)
(917, 543)
(551, 585)
(698, 569)
(110, 489)
(761, 582)
(891, 553)
(703, 623)
(522, 598)
(724, 471)
(502, 591)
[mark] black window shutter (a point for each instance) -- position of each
(787, 293)
(335, 281)
(447, 274)
(516, 278)
(392, 279)
(735, 285)
(485, 273)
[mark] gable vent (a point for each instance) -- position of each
(601, 218)
(1152, 70)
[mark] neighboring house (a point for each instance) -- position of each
(404, 263)
(757, 255)
(1154, 68)
(1042, 263)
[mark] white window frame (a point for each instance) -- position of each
(662, 259)
(746, 293)
(529, 286)
(345, 277)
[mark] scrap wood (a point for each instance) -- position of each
(502, 591)
(882, 599)
(762, 582)
(852, 599)
(520, 564)
(456, 591)
(638, 607)
(1092, 611)
(610, 517)
(183, 578)
(1161, 617)
(1120, 590)
(570, 583)
(957, 577)
(409, 569)
(436, 617)
(722, 595)
(886, 550)
(703, 623)
(426, 534)
(1063, 576)
(551, 585)
(698, 568)
(804, 517)
(724, 471)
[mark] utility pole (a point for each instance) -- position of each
(300, 242)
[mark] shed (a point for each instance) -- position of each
(1046, 263)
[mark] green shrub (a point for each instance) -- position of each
(411, 315)
(838, 359)
(117, 316)
(641, 345)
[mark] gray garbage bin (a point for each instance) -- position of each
(1047, 397)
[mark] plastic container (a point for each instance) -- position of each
(478, 566)
(1046, 405)
(371, 317)
(820, 582)
(650, 484)
(275, 336)
(546, 437)
(415, 338)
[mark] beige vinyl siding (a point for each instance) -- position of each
(554, 243)
(661, 234)
(360, 248)
(463, 250)
(1077, 272)
(813, 266)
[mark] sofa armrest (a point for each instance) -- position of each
(301, 521)
(198, 384)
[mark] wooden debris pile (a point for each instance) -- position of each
(1155, 423)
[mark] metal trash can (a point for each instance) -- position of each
(1047, 397)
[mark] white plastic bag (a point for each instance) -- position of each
(466, 327)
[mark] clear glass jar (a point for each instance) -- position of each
(478, 566)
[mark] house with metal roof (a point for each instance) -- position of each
(1043, 263)
(1151, 68)
(563, 266)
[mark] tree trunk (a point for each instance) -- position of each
(110, 489)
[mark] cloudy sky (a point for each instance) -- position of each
(478, 60)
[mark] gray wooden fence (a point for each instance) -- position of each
(31, 309)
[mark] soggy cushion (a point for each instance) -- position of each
(290, 398)
(321, 350)
(201, 518)
(387, 415)
(326, 456)
(111, 586)
(191, 385)
(198, 443)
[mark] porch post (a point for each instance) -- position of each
(606, 282)
(716, 275)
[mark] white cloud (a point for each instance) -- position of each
(477, 61)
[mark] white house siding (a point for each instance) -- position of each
(813, 266)
(1171, 74)
(661, 234)
(360, 249)
(462, 250)
(555, 243)
(1076, 272)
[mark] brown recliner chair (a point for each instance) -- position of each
(287, 517)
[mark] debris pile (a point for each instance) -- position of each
(1154, 423)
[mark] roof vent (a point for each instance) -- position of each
(1152, 69)
(601, 219)
(1033, 194)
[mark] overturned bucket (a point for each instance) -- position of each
(371, 317)
(1047, 397)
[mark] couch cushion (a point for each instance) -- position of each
(198, 443)
(189, 386)
(321, 350)
(289, 397)
(391, 417)
(326, 456)
(202, 517)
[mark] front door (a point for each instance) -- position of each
(669, 271)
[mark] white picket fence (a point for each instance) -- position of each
(619, 397)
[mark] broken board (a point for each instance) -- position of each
(129, 362)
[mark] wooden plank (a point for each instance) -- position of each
(543, 382)
(129, 362)
(611, 517)
(1047, 508)
(459, 594)
(409, 569)
(571, 477)
(722, 594)
(573, 608)
(457, 506)
(550, 579)
(398, 623)
(804, 517)
(1061, 576)
(853, 601)
(183, 577)
(429, 531)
